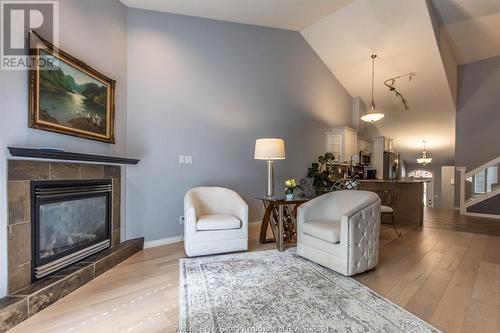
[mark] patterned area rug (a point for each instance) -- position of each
(269, 291)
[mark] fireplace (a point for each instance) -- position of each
(59, 214)
(71, 220)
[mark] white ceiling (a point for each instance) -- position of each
(452, 11)
(284, 14)
(471, 26)
(401, 33)
(475, 39)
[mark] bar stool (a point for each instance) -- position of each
(389, 197)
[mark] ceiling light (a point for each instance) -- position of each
(424, 160)
(372, 115)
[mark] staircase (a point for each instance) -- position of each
(479, 185)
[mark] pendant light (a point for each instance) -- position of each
(424, 160)
(372, 115)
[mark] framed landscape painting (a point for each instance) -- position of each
(68, 96)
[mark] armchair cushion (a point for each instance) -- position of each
(386, 209)
(329, 231)
(217, 222)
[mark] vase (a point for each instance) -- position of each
(289, 196)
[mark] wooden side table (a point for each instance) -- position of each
(281, 216)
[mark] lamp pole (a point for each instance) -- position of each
(270, 178)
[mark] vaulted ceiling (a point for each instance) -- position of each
(406, 36)
(472, 27)
(283, 14)
(401, 33)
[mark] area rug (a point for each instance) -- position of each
(271, 291)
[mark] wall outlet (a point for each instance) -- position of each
(182, 159)
(181, 219)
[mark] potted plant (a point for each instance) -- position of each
(322, 173)
(290, 187)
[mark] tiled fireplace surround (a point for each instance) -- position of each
(25, 298)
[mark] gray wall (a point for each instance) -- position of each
(478, 121)
(208, 89)
(95, 32)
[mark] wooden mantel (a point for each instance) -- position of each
(55, 154)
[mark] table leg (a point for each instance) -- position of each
(266, 222)
(281, 246)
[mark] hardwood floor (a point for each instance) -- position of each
(446, 277)
(450, 219)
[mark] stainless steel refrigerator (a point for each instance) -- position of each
(391, 165)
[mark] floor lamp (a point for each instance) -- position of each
(270, 149)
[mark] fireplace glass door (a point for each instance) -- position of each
(69, 224)
(72, 221)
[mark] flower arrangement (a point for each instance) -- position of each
(290, 187)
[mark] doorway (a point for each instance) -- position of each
(428, 177)
(447, 187)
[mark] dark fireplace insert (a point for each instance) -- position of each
(70, 220)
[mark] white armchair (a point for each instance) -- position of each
(215, 221)
(340, 230)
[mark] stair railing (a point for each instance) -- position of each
(463, 209)
(479, 184)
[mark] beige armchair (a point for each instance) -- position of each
(215, 221)
(340, 230)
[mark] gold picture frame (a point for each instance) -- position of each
(67, 96)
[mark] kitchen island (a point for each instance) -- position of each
(408, 203)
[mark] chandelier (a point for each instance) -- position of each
(424, 160)
(372, 115)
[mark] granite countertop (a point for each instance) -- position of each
(400, 181)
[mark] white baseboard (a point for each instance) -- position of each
(164, 241)
(170, 240)
(489, 216)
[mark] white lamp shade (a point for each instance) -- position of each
(372, 117)
(269, 149)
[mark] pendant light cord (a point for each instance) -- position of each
(373, 75)
(371, 114)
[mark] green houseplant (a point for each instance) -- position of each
(322, 173)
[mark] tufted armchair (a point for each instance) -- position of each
(215, 221)
(340, 230)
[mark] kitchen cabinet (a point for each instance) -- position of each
(334, 145)
(365, 145)
(342, 142)
(388, 144)
(409, 209)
